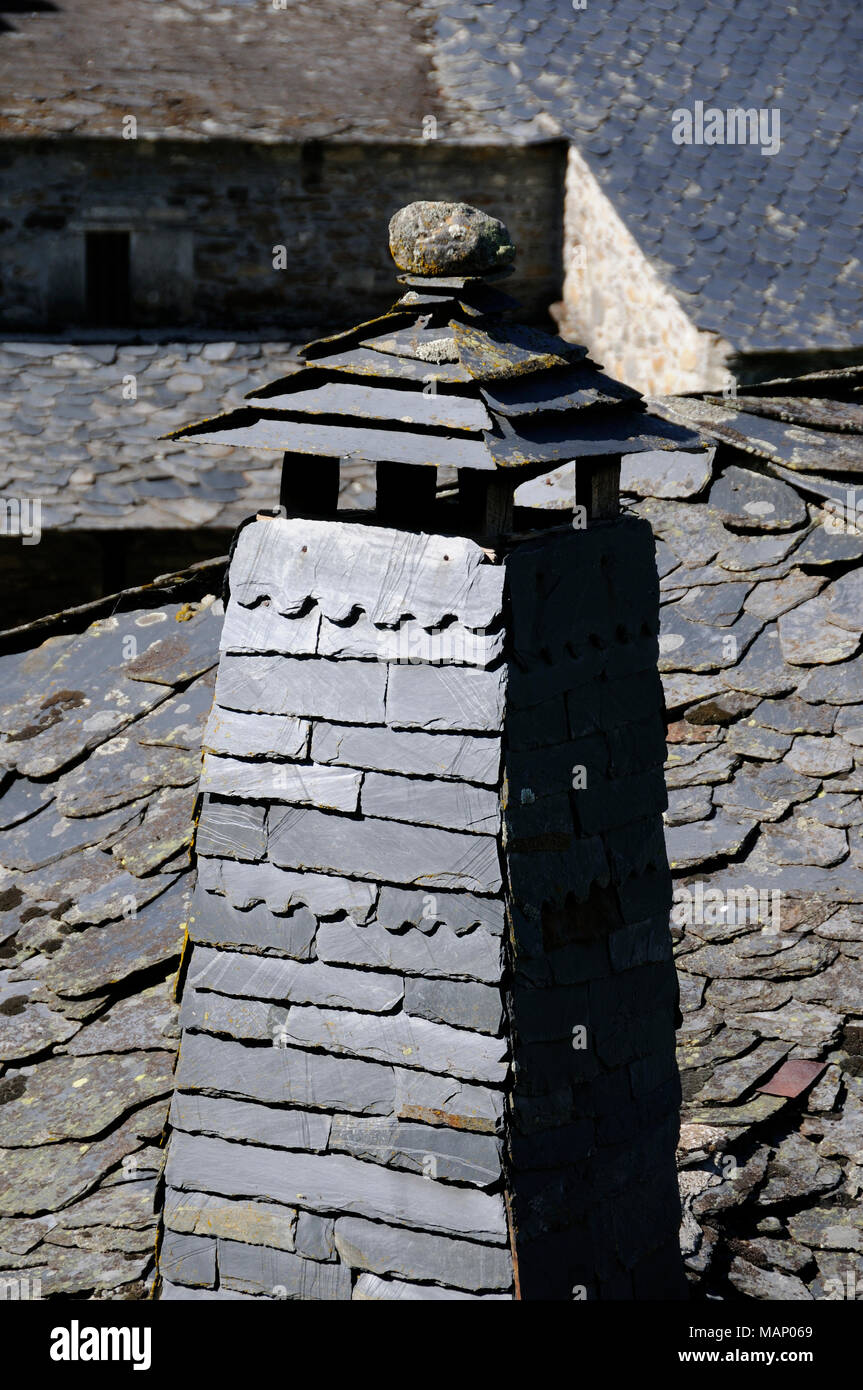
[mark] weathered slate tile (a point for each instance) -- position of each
(688, 804)
(693, 646)
(387, 1250)
(300, 839)
(244, 885)
(808, 636)
(53, 1175)
(183, 652)
(804, 841)
(698, 766)
(121, 895)
(28, 1027)
(450, 1001)
(441, 953)
(300, 784)
(179, 721)
(834, 685)
(718, 605)
(315, 1237)
(253, 1223)
(833, 808)
(247, 1020)
(445, 697)
(123, 771)
(469, 758)
(756, 501)
(461, 912)
(820, 757)
(400, 1040)
(102, 955)
(765, 792)
(166, 829)
(427, 801)
(214, 921)
(230, 830)
(752, 740)
(730, 1080)
(261, 1124)
(444, 1100)
(254, 1269)
(844, 600)
(454, 644)
(793, 716)
(772, 597)
(264, 629)
(188, 1259)
(22, 799)
(47, 837)
(450, 1155)
(289, 981)
(255, 735)
(762, 670)
(661, 473)
(142, 1020)
(305, 689)
(684, 688)
(79, 1097)
(334, 1182)
(437, 576)
(718, 838)
(284, 1076)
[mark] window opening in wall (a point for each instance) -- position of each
(107, 277)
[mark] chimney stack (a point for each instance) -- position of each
(429, 1004)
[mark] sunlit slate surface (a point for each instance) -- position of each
(458, 387)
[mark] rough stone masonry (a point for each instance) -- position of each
(428, 1012)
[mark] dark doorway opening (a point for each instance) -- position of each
(107, 278)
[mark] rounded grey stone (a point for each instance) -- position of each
(448, 239)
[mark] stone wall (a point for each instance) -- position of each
(615, 302)
(204, 220)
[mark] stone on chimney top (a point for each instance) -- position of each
(448, 239)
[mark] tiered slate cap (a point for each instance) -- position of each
(443, 378)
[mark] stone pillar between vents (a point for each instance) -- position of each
(428, 1012)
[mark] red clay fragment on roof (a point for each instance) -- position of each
(792, 1078)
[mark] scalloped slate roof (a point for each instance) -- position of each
(762, 249)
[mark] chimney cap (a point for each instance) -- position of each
(449, 239)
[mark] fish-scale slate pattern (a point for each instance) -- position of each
(759, 248)
(100, 733)
(760, 641)
(340, 1082)
(445, 379)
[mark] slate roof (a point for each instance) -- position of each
(505, 396)
(762, 665)
(761, 249)
(100, 733)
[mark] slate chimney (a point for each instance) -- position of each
(429, 1006)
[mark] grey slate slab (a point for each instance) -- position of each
(446, 698)
(428, 801)
(284, 1076)
(315, 1237)
(46, 1105)
(289, 685)
(441, 953)
(386, 1250)
(334, 1182)
(101, 955)
(275, 1127)
(450, 1155)
(412, 855)
(255, 735)
(386, 573)
(399, 907)
(808, 636)
(453, 644)
(840, 684)
(257, 1270)
(244, 885)
(228, 829)
(461, 1004)
(300, 784)
(188, 1259)
(468, 758)
(401, 1040)
(289, 981)
(253, 1223)
(263, 629)
(213, 920)
(756, 501)
(371, 1289)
